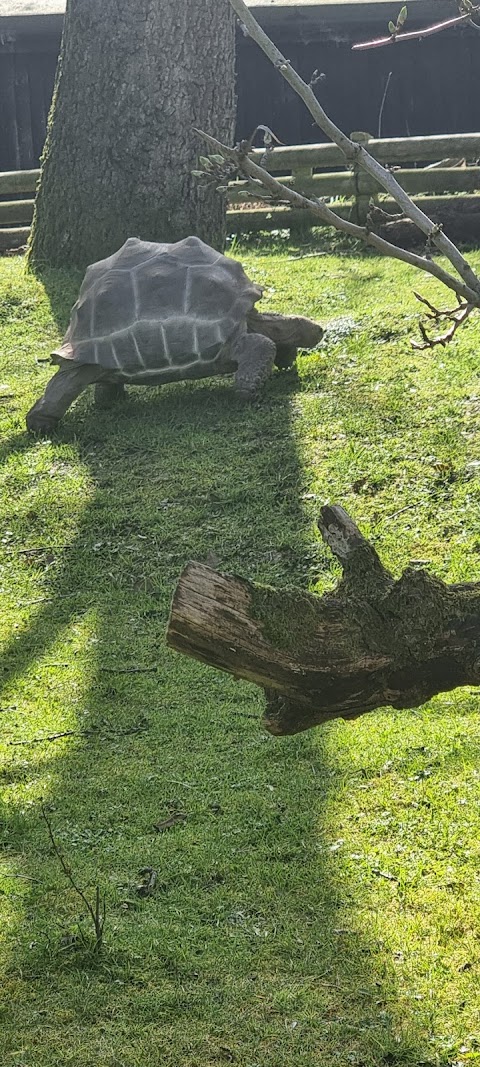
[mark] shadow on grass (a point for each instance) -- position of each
(245, 952)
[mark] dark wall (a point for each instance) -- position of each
(27, 72)
(434, 87)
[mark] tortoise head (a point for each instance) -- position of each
(293, 331)
(304, 333)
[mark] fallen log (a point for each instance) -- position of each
(459, 217)
(371, 642)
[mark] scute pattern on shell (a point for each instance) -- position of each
(152, 306)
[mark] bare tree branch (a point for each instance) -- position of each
(326, 215)
(357, 155)
(457, 317)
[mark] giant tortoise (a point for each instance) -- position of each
(155, 313)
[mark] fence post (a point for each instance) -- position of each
(302, 225)
(362, 199)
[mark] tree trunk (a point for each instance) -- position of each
(133, 78)
(371, 642)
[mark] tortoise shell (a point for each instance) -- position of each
(153, 307)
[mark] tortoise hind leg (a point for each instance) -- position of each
(107, 394)
(70, 380)
(256, 356)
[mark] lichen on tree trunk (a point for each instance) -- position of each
(134, 77)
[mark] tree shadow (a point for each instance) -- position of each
(241, 943)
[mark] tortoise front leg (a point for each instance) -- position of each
(70, 380)
(285, 356)
(107, 394)
(256, 356)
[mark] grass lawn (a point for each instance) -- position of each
(319, 906)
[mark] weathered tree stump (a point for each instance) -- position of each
(371, 642)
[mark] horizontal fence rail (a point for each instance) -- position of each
(391, 150)
(309, 169)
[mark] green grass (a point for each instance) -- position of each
(320, 904)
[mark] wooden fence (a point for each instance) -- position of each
(317, 170)
(434, 84)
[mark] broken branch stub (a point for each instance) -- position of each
(371, 642)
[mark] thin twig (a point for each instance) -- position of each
(43, 599)
(408, 507)
(412, 35)
(48, 737)
(457, 317)
(128, 670)
(423, 300)
(106, 670)
(382, 105)
(97, 914)
(137, 728)
(24, 877)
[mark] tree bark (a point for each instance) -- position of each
(371, 642)
(133, 77)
